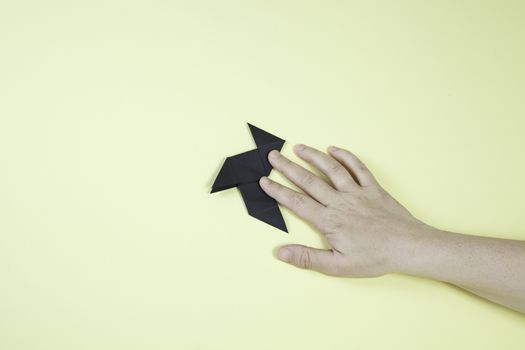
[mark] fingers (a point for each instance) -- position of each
(321, 260)
(303, 178)
(354, 165)
(338, 175)
(299, 203)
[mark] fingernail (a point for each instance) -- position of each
(299, 147)
(284, 254)
(264, 181)
(274, 154)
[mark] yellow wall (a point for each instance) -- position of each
(116, 115)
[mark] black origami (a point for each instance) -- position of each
(244, 171)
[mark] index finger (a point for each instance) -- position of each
(301, 204)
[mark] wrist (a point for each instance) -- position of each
(419, 250)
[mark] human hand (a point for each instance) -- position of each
(367, 229)
(371, 234)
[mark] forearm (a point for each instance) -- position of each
(490, 267)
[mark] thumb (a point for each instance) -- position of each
(321, 260)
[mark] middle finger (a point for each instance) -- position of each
(338, 175)
(306, 180)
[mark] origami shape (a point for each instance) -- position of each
(244, 171)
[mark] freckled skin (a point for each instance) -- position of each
(371, 234)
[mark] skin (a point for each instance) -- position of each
(371, 234)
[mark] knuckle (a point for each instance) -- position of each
(331, 221)
(335, 167)
(307, 179)
(297, 200)
(349, 184)
(305, 259)
(380, 194)
(315, 155)
(285, 162)
(271, 186)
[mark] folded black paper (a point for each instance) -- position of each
(244, 171)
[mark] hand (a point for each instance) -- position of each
(366, 228)
(371, 234)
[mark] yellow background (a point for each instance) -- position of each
(115, 116)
